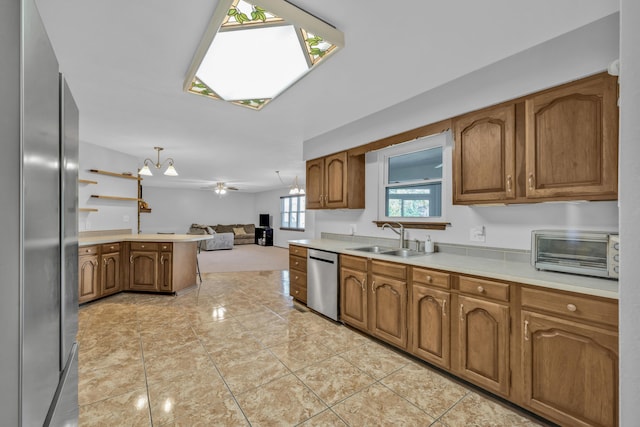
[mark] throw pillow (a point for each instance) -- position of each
(238, 231)
(210, 230)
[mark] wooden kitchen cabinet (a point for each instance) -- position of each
(569, 350)
(298, 273)
(110, 269)
(485, 155)
(165, 272)
(429, 316)
(572, 140)
(143, 266)
(554, 145)
(88, 270)
(388, 302)
(335, 182)
(374, 299)
(482, 334)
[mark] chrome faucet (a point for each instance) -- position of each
(400, 233)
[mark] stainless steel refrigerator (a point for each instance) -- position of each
(38, 226)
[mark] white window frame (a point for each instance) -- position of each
(301, 209)
(424, 143)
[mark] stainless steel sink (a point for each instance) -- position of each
(373, 249)
(404, 253)
(384, 250)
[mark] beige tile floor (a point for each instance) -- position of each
(240, 353)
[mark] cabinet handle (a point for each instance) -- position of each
(373, 286)
(364, 285)
(297, 292)
(131, 259)
(461, 312)
(106, 261)
(429, 279)
(297, 277)
(509, 183)
(571, 307)
(142, 246)
(526, 330)
(531, 181)
(444, 308)
(480, 289)
(161, 259)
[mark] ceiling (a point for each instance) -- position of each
(125, 62)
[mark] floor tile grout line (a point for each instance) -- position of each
(144, 367)
(233, 396)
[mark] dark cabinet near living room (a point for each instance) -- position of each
(264, 236)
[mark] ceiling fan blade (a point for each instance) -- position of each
(233, 188)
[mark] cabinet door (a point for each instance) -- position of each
(483, 343)
(315, 183)
(429, 323)
(143, 274)
(110, 273)
(570, 371)
(572, 140)
(484, 156)
(165, 272)
(335, 184)
(389, 310)
(88, 287)
(353, 297)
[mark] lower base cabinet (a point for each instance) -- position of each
(88, 274)
(111, 269)
(562, 363)
(147, 267)
(298, 273)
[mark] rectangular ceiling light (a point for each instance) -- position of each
(252, 52)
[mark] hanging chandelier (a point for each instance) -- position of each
(171, 171)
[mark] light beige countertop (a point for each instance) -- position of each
(112, 238)
(519, 272)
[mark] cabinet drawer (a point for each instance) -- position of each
(297, 263)
(389, 269)
(485, 288)
(298, 250)
(88, 250)
(166, 246)
(110, 247)
(430, 277)
(298, 278)
(298, 292)
(144, 246)
(571, 305)
(353, 262)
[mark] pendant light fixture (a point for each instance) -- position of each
(295, 187)
(171, 171)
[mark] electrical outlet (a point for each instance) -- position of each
(477, 234)
(352, 229)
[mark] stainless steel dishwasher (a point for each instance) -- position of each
(322, 282)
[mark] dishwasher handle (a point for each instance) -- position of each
(329, 261)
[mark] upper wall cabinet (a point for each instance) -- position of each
(572, 140)
(559, 144)
(335, 182)
(484, 155)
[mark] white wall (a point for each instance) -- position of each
(112, 214)
(629, 213)
(269, 202)
(579, 53)
(174, 210)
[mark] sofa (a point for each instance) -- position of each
(237, 234)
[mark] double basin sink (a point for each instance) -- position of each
(383, 250)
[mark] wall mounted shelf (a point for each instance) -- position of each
(135, 199)
(117, 175)
(87, 181)
(87, 210)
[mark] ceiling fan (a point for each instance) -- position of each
(221, 188)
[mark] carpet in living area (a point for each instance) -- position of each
(244, 258)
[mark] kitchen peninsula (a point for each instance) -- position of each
(109, 263)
